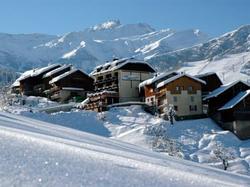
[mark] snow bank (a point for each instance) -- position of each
(197, 138)
(35, 153)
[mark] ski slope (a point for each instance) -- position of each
(35, 153)
(229, 69)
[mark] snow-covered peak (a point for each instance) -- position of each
(107, 25)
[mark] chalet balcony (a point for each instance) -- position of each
(160, 94)
(192, 92)
(55, 96)
(175, 92)
(106, 80)
(113, 87)
(55, 89)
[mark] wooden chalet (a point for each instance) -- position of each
(69, 85)
(212, 82)
(235, 115)
(31, 82)
(228, 105)
(179, 91)
(54, 73)
(148, 88)
(99, 101)
(220, 96)
(122, 77)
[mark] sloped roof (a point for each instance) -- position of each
(222, 89)
(24, 75)
(39, 71)
(156, 78)
(230, 104)
(50, 73)
(33, 73)
(63, 75)
(205, 74)
(118, 64)
(177, 77)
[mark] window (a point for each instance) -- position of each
(177, 88)
(152, 100)
(175, 108)
(100, 78)
(108, 76)
(175, 98)
(192, 107)
(192, 98)
(190, 88)
(116, 74)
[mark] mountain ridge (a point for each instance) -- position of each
(101, 43)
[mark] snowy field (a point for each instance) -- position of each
(35, 153)
(197, 140)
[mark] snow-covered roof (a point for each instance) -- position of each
(50, 73)
(39, 71)
(222, 89)
(72, 88)
(177, 77)
(63, 75)
(230, 104)
(117, 64)
(156, 78)
(205, 74)
(33, 73)
(102, 92)
(24, 75)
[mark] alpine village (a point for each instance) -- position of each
(127, 81)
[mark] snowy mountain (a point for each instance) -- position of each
(36, 153)
(93, 46)
(165, 49)
(235, 42)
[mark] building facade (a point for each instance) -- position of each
(229, 106)
(181, 92)
(71, 84)
(122, 77)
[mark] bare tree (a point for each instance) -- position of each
(161, 142)
(223, 154)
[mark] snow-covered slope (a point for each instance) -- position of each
(35, 153)
(230, 68)
(235, 42)
(196, 139)
(93, 46)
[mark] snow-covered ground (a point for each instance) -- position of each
(197, 139)
(35, 153)
(229, 69)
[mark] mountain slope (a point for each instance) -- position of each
(237, 41)
(93, 46)
(38, 153)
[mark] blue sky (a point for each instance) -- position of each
(60, 16)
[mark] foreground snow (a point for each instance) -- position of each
(197, 139)
(35, 153)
